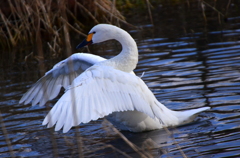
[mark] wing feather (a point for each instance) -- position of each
(61, 116)
(55, 88)
(52, 117)
(68, 122)
(38, 97)
(98, 92)
(84, 117)
(61, 75)
(31, 94)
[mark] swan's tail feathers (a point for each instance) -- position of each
(189, 115)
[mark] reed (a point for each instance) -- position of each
(48, 23)
(8, 142)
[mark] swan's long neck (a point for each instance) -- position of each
(128, 58)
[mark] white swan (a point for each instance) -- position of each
(103, 88)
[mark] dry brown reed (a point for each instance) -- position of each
(140, 151)
(213, 7)
(176, 143)
(48, 23)
(4, 131)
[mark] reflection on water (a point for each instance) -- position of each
(185, 69)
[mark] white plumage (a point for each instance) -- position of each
(61, 75)
(100, 87)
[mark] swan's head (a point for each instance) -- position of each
(100, 33)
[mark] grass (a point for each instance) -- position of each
(45, 23)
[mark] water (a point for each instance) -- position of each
(187, 63)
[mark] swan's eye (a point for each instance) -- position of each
(94, 32)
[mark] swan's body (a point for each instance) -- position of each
(101, 87)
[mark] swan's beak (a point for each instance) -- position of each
(85, 42)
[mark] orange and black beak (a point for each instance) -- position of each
(85, 42)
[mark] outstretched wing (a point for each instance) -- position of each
(61, 75)
(99, 91)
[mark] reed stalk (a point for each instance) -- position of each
(5, 133)
(48, 23)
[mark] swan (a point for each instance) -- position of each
(96, 87)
